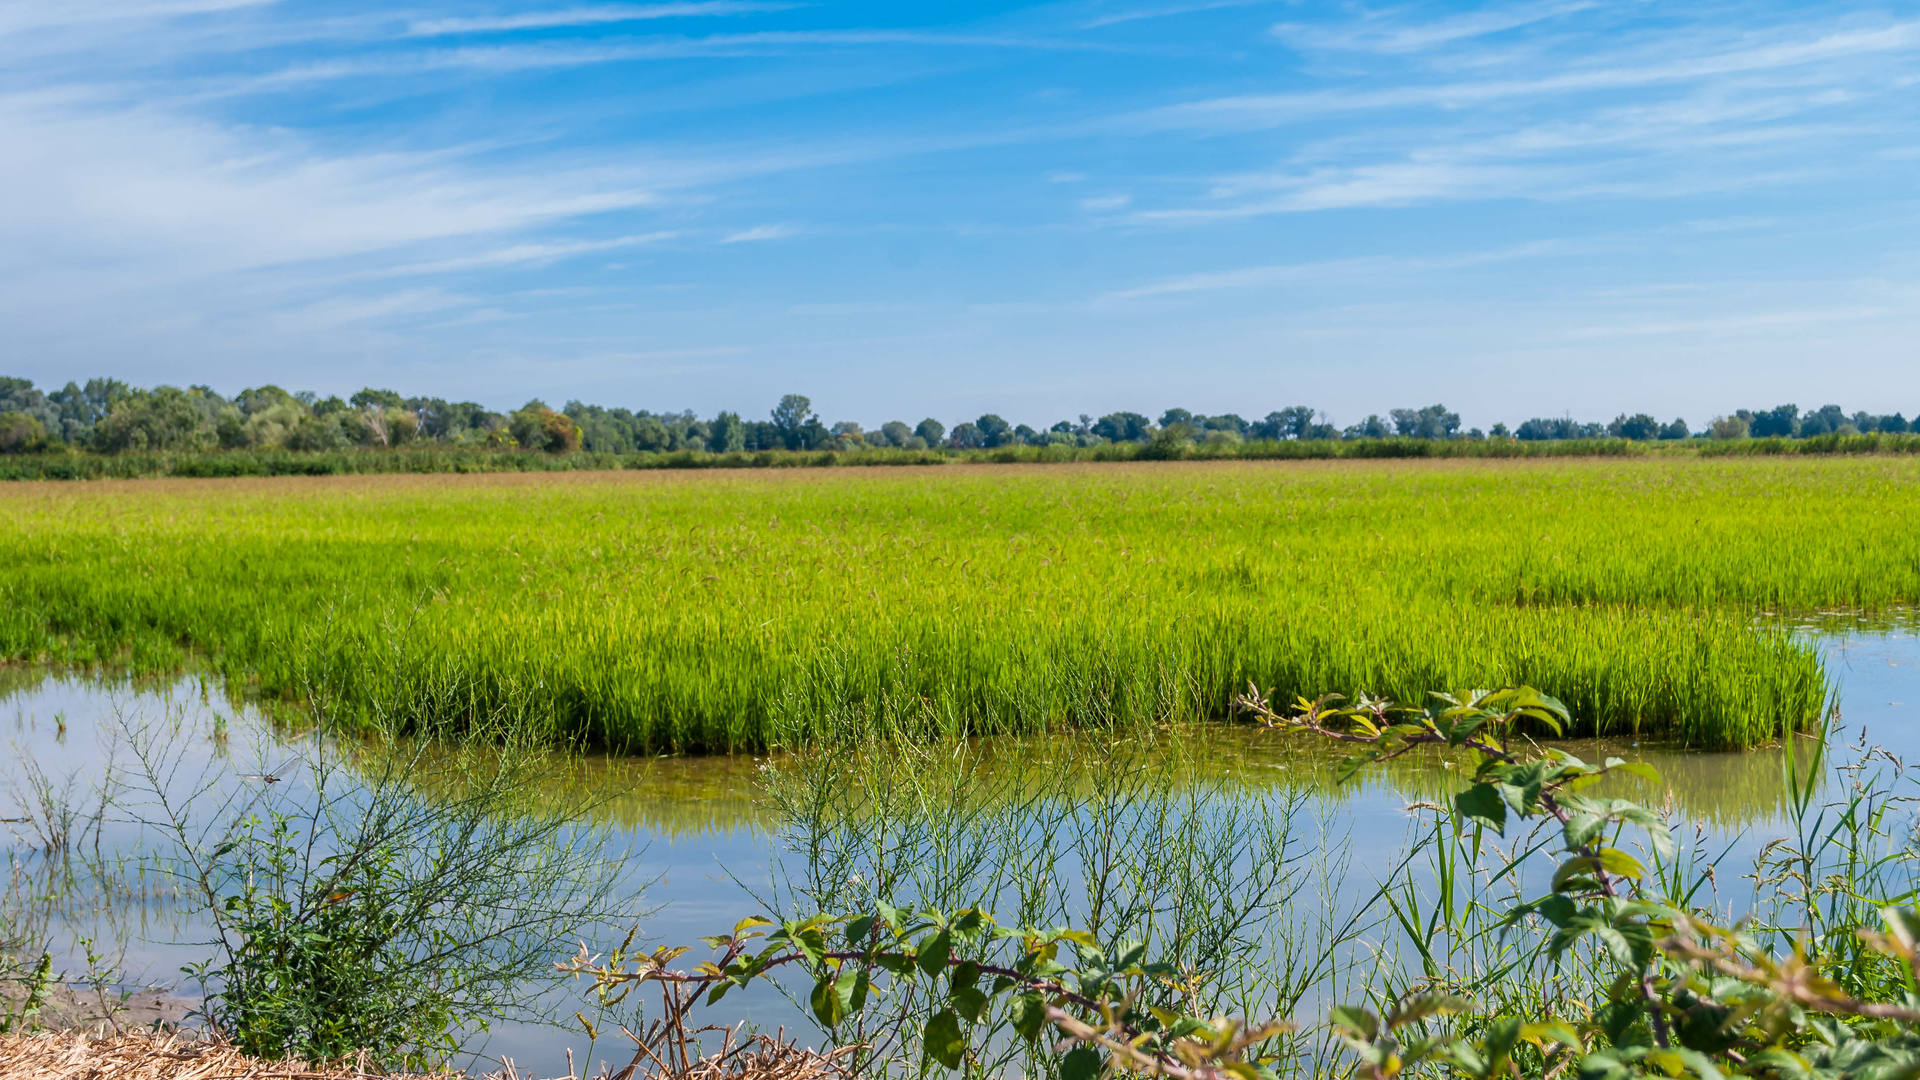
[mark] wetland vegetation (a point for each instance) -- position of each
(1000, 691)
(743, 611)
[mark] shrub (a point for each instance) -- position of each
(380, 896)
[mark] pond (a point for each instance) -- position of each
(713, 840)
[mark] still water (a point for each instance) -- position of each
(710, 847)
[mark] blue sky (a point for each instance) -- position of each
(910, 209)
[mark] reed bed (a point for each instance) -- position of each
(741, 610)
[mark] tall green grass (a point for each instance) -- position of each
(736, 610)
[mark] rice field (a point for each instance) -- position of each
(726, 610)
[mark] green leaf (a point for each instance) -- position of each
(1520, 787)
(827, 1004)
(968, 924)
(934, 952)
(1029, 1016)
(1582, 828)
(1615, 861)
(1635, 768)
(1088, 946)
(1630, 943)
(1356, 1021)
(1418, 1008)
(1657, 831)
(1462, 730)
(965, 973)
(1574, 869)
(1081, 1063)
(1482, 803)
(942, 1040)
(969, 1001)
(1557, 910)
(1550, 1031)
(858, 930)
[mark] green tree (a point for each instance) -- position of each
(895, 433)
(260, 399)
(163, 418)
(994, 431)
(20, 433)
(1640, 427)
(1780, 422)
(317, 433)
(383, 398)
(537, 427)
(650, 434)
(931, 430)
(1826, 420)
(1123, 427)
(790, 419)
(1375, 428)
(967, 436)
(1432, 422)
(726, 434)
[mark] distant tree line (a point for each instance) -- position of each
(109, 416)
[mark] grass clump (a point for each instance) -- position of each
(737, 610)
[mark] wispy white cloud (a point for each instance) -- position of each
(510, 58)
(1386, 33)
(20, 15)
(761, 232)
(1105, 202)
(521, 255)
(1264, 110)
(594, 15)
(1363, 268)
(81, 183)
(1163, 11)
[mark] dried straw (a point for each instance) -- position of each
(69, 1055)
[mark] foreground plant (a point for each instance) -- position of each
(1683, 996)
(378, 897)
(1659, 986)
(985, 981)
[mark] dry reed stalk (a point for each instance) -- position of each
(145, 1055)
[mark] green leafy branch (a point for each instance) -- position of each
(1060, 978)
(1687, 997)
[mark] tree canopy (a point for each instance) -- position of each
(109, 416)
